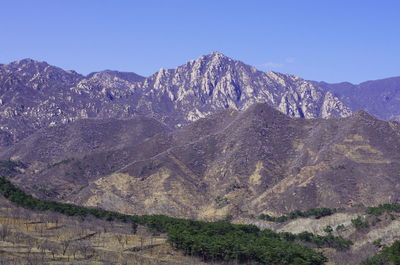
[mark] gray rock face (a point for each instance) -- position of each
(35, 95)
(214, 82)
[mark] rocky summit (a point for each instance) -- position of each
(35, 95)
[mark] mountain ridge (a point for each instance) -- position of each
(35, 95)
(379, 97)
(256, 161)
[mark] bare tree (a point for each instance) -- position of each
(17, 236)
(26, 215)
(29, 245)
(52, 247)
(64, 246)
(120, 239)
(85, 248)
(16, 214)
(54, 218)
(34, 260)
(126, 239)
(142, 240)
(4, 231)
(74, 248)
(42, 248)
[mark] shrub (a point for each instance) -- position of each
(360, 223)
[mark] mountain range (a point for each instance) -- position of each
(213, 139)
(378, 97)
(199, 127)
(36, 95)
(232, 163)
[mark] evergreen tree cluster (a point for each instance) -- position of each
(383, 208)
(316, 212)
(388, 255)
(223, 241)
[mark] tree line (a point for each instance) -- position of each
(212, 241)
(383, 208)
(316, 212)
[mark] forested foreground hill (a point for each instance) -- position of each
(39, 234)
(35, 231)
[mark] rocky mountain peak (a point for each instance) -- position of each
(36, 94)
(215, 81)
(26, 65)
(216, 57)
(38, 73)
(215, 64)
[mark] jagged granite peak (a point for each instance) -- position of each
(35, 94)
(214, 82)
(29, 73)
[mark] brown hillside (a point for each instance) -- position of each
(239, 164)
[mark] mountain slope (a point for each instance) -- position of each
(378, 97)
(256, 161)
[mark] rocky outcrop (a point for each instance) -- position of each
(214, 82)
(36, 95)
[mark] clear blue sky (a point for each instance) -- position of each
(330, 40)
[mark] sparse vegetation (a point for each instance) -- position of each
(328, 229)
(316, 212)
(232, 187)
(62, 162)
(329, 240)
(37, 238)
(221, 201)
(377, 243)
(10, 167)
(16, 195)
(45, 189)
(340, 228)
(339, 166)
(360, 223)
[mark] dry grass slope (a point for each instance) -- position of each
(35, 238)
